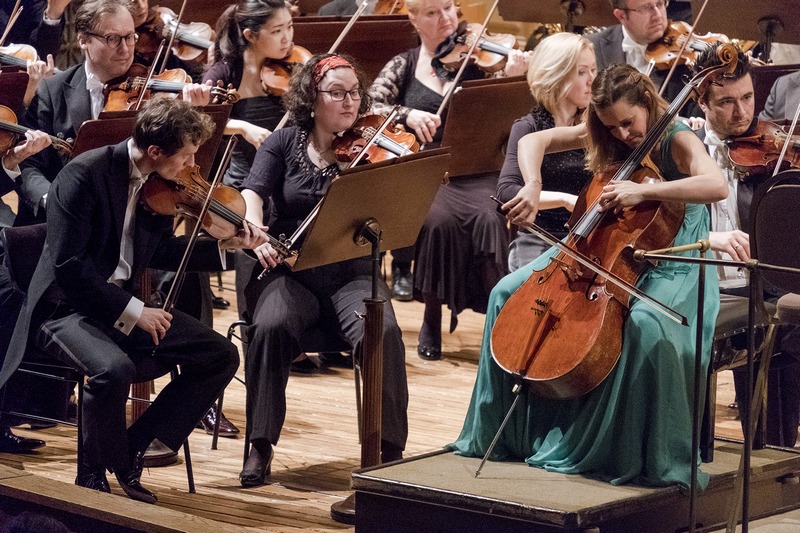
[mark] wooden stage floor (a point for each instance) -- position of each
(319, 446)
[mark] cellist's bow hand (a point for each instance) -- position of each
(617, 195)
(249, 237)
(522, 209)
(268, 256)
(735, 243)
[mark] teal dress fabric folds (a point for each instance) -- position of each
(635, 427)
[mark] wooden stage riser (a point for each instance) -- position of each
(381, 513)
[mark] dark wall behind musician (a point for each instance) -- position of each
(728, 106)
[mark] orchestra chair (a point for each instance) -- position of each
(764, 77)
(23, 247)
(315, 340)
(773, 210)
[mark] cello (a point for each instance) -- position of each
(561, 331)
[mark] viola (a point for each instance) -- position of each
(11, 131)
(192, 40)
(185, 195)
(275, 73)
(389, 144)
(758, 150)
(665, 50)
(490, 54)
(122, 93)
(561, 330)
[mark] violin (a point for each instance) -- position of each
(275, 73)
(665, 50)
(17, 55)
(123, 92)
(757, 151)
(562, 329)
(390, 7)
(185, 195)
(392, 142)
(490, 54)
(192, 40)
(10, 132)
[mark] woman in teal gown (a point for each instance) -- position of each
(636, 425)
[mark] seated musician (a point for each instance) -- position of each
(80, 296)
(635, 426)
(10, 296)
(40, 24)
(641, 22)
(462, 248)
(293, 168)
(783, 99)
(728, 105)
(560, 74)
(64, 101)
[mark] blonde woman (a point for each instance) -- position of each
(560, 75)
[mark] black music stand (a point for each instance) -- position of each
(366, 210)
(477, 147)
(568, 12)
(765, 20)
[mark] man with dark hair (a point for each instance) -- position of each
(99, 238)
(728, 105)
(641, 22)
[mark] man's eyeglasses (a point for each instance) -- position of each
(337, 95)
(113, 41)
(649, 8)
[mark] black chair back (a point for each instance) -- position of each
(23, 248)
(775, 212)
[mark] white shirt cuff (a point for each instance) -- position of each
(129, 316)
(223, 256)
(12, 173)
(49, 21)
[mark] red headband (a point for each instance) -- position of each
(329, 63)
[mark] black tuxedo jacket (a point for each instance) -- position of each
(6, 186)
(85, 216)
(608, 50)
(59, 108)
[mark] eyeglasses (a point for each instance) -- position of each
(337, 95)
(113, 41)
(649, 9)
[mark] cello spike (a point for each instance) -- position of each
(517, 390)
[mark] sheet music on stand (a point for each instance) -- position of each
(477, 146)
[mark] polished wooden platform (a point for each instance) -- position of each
(314, 459)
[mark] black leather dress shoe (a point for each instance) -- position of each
(429, 353)
(258, 475)
(95, 480)
(226, 427)
(402, 285)
(10, 443)
(130, 480)
(220, 303)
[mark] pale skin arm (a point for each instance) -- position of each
(266, 254)
(531, 149)
(251, 133)
(705, 182)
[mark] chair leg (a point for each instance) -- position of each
(357, 379)
(189, 472)
(215, 438)
(79, 419)
(709, 414)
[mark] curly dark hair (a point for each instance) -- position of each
(299, 100)
(171, 124)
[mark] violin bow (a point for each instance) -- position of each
(172, 34)
(332, 49)
(149, 77)
(11, 20)
(463, 66)
(683, 47)
(174, 290)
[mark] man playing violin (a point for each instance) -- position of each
(106, 34)
(729, 108)
(641, 22)
(99, 238)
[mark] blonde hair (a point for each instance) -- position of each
(615, 83)
(552, 67)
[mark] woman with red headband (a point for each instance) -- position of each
(294, 168)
